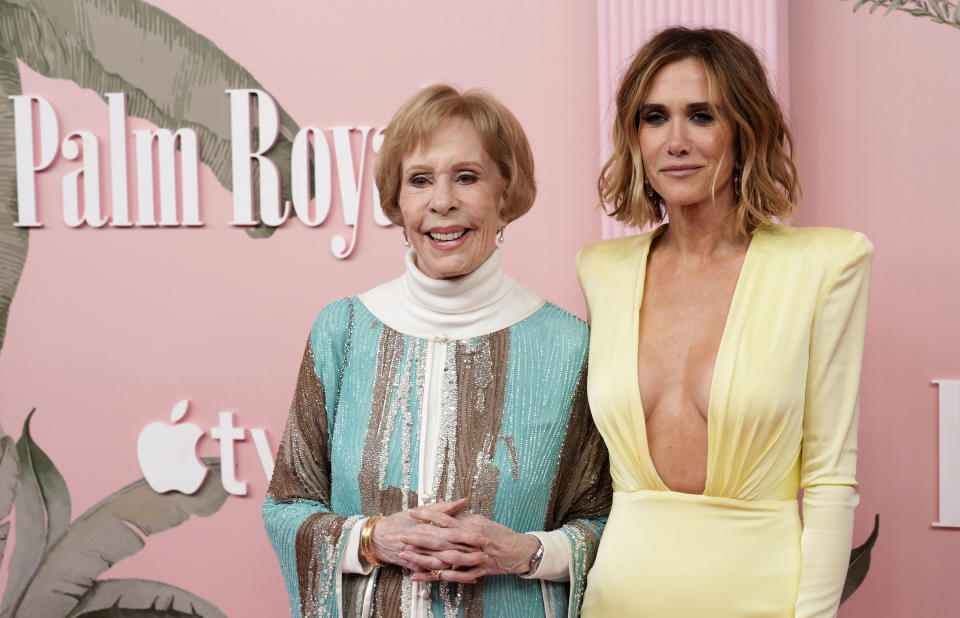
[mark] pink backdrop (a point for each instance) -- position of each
(110, 328)
(874, 104)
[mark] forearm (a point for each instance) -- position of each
(556, 561)
(310, 543)
(825, 548)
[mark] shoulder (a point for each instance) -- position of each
(557, 326)
(334, 321)
(823, 248)
(831, 240)
(607, 253)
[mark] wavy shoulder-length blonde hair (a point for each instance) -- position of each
(769, 185)
(501, 134)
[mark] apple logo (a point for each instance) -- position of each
(168, 454)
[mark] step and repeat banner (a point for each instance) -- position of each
(184, 186)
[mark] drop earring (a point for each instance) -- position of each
(500, 237)
(651, 193)
(406, 241)
(737, 189)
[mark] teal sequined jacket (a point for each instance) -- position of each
(519, 443)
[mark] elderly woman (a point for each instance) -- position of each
(725, 351)
(439, 458)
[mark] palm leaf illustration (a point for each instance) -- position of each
(9, 468)
(110, 531)
(939, 11)
(43, 512)
(13, 240)
(171, 75)
(137, 598)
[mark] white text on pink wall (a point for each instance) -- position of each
(254, 129)
(949, 453)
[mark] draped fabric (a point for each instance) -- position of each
(516, 440)
(782, 415)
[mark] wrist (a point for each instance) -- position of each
(367, 554)
(535, 556)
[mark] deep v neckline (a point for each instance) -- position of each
(732, 312)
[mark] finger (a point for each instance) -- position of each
(433, 516)
(426, 542)
(463, 560)
(439, 539)
(425, 550)
(452, 508)
(457, 559)
(423, 562)
(461, 577)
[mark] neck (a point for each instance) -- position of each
(702, 231)
(481, 302)
(475, 290)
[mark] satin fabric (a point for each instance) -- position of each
(782, 415)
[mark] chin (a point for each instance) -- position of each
(685, 199)
(446, 268)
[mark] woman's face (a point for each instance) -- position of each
(451, 199)
(685, 140)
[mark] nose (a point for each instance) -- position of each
(678, 143)
(443, 199)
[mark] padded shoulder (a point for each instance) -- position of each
(825, 249)
(604, 254)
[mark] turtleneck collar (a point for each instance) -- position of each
(475, 304)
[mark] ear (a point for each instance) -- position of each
(502, 208)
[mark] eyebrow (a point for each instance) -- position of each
(457, 165)
(658, 107)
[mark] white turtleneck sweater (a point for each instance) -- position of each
(443, 310)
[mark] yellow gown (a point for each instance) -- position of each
(782, 415)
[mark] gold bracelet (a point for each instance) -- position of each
(366, 540)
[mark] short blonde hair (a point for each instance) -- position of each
(502, 136)
(769, 185)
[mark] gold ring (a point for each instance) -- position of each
(437, 572)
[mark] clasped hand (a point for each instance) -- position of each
(441, 537)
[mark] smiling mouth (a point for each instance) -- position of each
(446, 236)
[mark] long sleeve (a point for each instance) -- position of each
(307, 536)
(582, 494)
(829, 448)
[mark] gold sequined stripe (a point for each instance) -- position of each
(481, 386)
(303, 460)
(316, 545)
(481, 378)
(354, 586)
(582, 486)
(473, 600)
(389, 355)
(387, 597)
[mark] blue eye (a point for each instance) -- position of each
(467, 178)
(419, 181)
